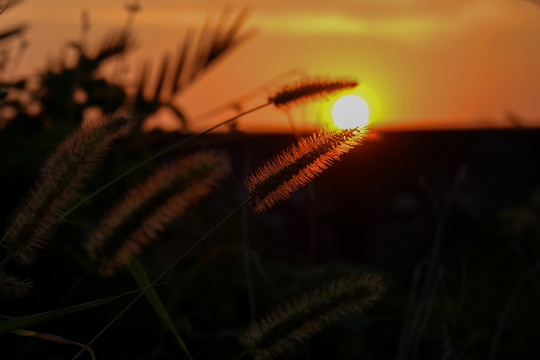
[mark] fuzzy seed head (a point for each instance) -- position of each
(151, 205)
(306, 90)
(285, 328)
(298, 165)
(11, 287)
(59, 183)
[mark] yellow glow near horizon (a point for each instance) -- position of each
(350, 111)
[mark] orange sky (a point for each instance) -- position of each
(422, 63)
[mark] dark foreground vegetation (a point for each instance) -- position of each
(415, 245)
(473, 195)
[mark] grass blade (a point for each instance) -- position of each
(178, 114)
(165, 272)
(54, 338)
(17, 323)
(17, 30)
(179, 71)
(140, 276)
(158, 93)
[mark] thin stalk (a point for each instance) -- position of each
(250, 94)
(409, 310)
(247, 266)
(426, 295)
(508, 306)
(5, 261)
(79, 223)
(64, 299)
(156, 155)
(431, 282)
(141, 164)
(246, 250)
(259, 267)
(312, 225)
(165, 272)
(241, 355)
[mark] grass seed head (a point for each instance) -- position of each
(11, 287)
(151, 205)
(298, 165)
(308, 89)
(61, 178)
(285, 328)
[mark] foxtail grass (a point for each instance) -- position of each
(157, 279)
(303, 159)
(287, 95)
(295, 93)
(59, 183)
(148, 207)
(298, 165)
(11, 287)
(308, 89)
(294, 323)
(73, 176)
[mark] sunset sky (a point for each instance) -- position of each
(423, 64)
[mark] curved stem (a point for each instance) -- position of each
(5, 261)
(66, 296)
(156, 155)
(146, 161)
(165, 272)
(426, 294)
(246, 250)
(241, 355)
(509, 304)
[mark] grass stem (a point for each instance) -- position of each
(158, 154)
(241, 355)
(531, 273)
(165, 272)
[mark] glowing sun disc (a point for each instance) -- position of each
(350, 111)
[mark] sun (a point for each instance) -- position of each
(350, 111)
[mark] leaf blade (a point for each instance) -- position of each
(54, 338)
(140, 276)
(17, 323)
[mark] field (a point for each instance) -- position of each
(383, 207)
(119, 240)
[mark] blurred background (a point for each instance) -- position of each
(442, 198)
(422, 64)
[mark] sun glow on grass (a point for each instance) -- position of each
(350, 111)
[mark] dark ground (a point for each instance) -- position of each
(381, 208)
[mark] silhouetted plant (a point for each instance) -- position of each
(151, 205)
(309, 89)
(193, 60)
(62, 176)
(296, 166)
(10, 286)
(294, 323)
(66, 89)
(6, 57)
